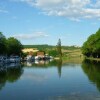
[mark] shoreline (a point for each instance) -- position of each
(95, 59)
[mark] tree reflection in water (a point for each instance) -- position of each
(59, 66)
(10, 73)
(46, 64)
(92, 70)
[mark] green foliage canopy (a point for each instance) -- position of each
(92, 46)
(2, 44)
(59, 48)
(14, 46)
(53, 53)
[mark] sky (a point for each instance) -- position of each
(45, 21)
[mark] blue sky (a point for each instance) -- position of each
(45, 21)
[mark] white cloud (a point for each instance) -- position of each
(72, 9)
(31, 36)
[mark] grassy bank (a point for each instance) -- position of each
(71, 56)
(91, 58)
(74, 53)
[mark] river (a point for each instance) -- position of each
(50, 80)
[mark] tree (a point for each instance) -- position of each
(14, 46)
(53, 53)
(2, 44)
(92, 46)
(59, 48)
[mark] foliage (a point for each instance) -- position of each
(13, 46)
(39, 47)
(71, 47)
(59, 48)
(45, 46)
(9, 46)
(2, 44)
(53, 53)
(92, 46)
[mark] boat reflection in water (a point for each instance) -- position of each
(50, 80)
(46, 64)
(38, 62)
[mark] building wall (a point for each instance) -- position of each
(40, 54)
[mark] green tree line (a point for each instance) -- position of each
(46, 46)
(10, 46)
(91, 48)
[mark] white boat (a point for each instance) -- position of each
(28, 58)
(37, 57)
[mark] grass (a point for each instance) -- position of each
(72, 56)
(75, 55)
(72, 53)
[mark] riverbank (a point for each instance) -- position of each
(91, 58)
(74, 54)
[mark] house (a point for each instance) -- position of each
(40, 54)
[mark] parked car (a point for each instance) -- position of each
(15, 59)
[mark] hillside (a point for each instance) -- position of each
(46, 46)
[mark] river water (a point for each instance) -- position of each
(53, 80)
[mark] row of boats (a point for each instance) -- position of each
(33, 58)
(11, 59)
(17, 59)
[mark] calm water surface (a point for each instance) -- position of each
(50, 81)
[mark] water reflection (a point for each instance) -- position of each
(59, 66)
(10, 73)
(46, 64)
(92, 70)
(40, 81)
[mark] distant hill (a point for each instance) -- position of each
(46, 46)
(39, 47)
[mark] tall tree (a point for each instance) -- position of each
(59, 48)
(14, 46)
